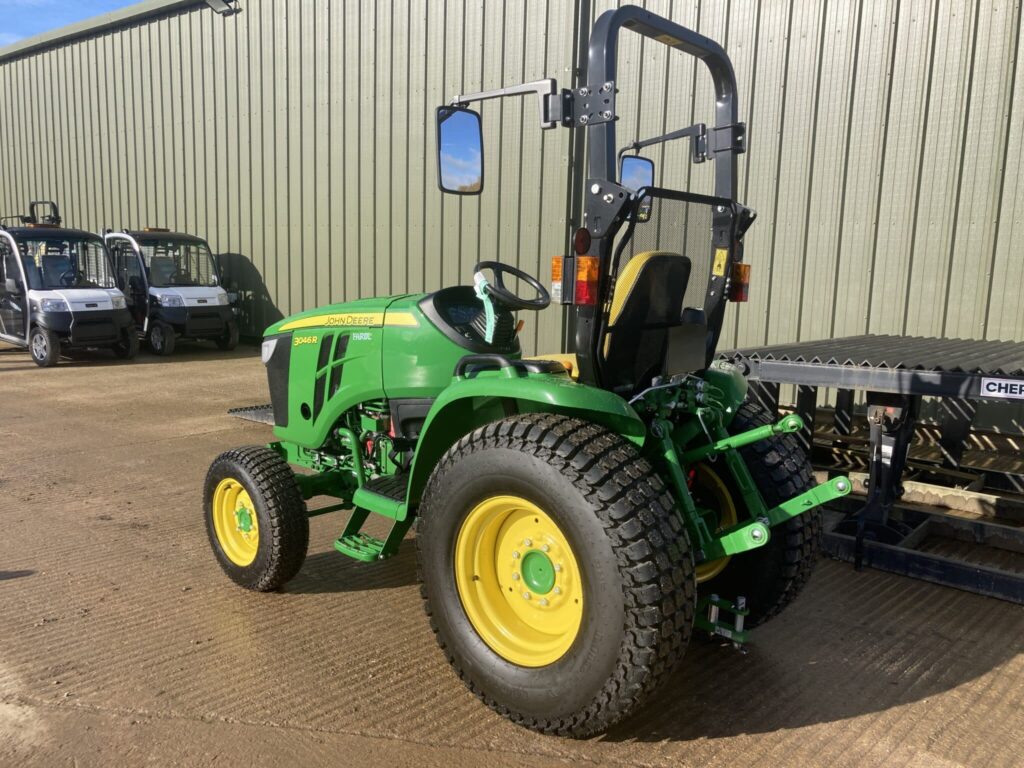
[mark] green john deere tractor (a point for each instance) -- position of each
(577, 515)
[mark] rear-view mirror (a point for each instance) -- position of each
(460, 160)
(635, 173)
(11, 286)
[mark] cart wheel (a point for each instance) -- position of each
(44, 345)
(556, 574)
(255, 517)
(772, 576)
(229, 340)
(128, 346)
(161, 338)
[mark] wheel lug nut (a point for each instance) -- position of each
(543, 601)
(558, 590)
(527, 542)
(546, 548)
(526, 595)
(558, 567)
(515, 577)
(515, 555)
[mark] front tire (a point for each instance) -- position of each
(161, 338)
(229, 340)
(44, 345)
(772, 576)
(128, 347)
(255, 518)
(572, 635)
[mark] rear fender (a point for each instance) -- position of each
(468, 403)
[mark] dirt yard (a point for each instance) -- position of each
(121, 643)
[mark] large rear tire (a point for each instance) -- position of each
(556, 574)
(772, 576)
(255, 518)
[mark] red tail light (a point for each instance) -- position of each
(586, 280)
(739, 285)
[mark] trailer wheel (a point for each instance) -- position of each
(557, 577)
(255, 517)
(44, 345)
(161, 338)
(772, 576)
(128, 347)
(229, 340)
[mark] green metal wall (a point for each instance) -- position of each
(885, 148)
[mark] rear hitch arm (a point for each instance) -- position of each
(757, 533)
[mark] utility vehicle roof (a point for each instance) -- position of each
(43, 230)
(148, 236)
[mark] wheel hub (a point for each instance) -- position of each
(243, 519)
(538, 572)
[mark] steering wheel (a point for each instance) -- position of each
(501, 295)
(67, 277)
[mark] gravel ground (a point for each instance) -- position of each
(121, 643)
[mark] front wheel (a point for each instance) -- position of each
(161, 338)
(229, 340)
(555, 572)
(255, 518)
(44, 346)
(128, 347)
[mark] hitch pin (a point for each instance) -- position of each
(741, 607)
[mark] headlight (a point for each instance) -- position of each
(119, 302)
(54, 305)
(267, 350)
(222, 299)
(171, 300)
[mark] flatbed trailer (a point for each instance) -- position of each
(896, 373)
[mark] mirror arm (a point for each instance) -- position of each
(697, 133)
(550, 100)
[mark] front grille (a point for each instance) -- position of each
(205, 322)
(277, 378)
(94, 330)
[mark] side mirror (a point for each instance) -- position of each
(635, 173)
(460, 160)
(11, 286)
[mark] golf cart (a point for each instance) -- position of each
(57, 289)
(577, 515)
(173, 287)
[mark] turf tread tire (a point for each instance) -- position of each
(280, 510)
(773, 576)
(652, 550)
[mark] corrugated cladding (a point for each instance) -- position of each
(885, 149)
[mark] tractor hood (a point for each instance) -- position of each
(80, 299)
(193, 295)
(363, 313)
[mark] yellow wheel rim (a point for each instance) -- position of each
(714, 494)
(518, 580)
(234, 522)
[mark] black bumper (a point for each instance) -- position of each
(98, 328)
(196, 322)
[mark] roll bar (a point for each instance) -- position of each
(725, 140)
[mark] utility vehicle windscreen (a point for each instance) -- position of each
(56, 263)
(176, 263)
